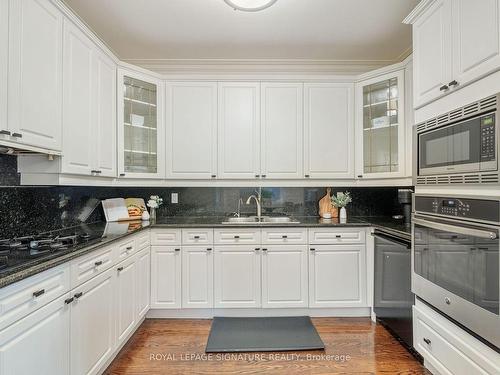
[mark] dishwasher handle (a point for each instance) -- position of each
(391, 238)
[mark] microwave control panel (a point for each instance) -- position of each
(488, 138)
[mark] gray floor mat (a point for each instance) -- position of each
(263, 334)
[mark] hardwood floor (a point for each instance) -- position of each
(174, 346)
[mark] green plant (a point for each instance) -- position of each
(341, 199)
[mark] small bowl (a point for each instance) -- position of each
(327, 215)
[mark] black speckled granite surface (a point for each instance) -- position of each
(108, 235)
(29, 210)
(117, 231)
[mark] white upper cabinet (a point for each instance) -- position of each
(35, 73)
(282, 130)
(432, 52)
(105, 116)
(4, 49)
(476, 39)
(239, 130)
(191, 121)
(78, 102)
(455, 42)
(89, 107)
(380, 127)
(141, 132)
(329, 130)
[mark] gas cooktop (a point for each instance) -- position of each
(21, 250)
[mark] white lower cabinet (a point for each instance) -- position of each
(166, 277)
(143, 282)
(38, 343)
(197, 277)
(47, 329)
(337, 276)
(237, 276)
(92, 324)
(126, 294)
(447, 349)
(284, 276)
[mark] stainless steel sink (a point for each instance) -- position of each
(247, 220)
(241, 220)
(276, 219)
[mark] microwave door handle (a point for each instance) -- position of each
(456, 229)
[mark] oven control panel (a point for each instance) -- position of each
(488, 140)
(451, 207)
(467, 208)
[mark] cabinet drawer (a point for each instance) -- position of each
(126, 249)
(90, 265)
(448, 348)
(197, 236)
(161, 237)
(327, 236)
(142, 240)
(237, 236)
(284, 236)
(22, 298)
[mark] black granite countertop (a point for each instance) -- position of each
(110, 232)
(387, 223)
(217, 222)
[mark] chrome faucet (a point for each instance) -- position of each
(257, 198)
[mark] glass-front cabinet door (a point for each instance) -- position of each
(381, 127)
(140, 126)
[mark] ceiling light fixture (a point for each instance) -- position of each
(250, 5)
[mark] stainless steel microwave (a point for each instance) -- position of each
(460, 146)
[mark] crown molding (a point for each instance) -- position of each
(258, 66)
(85, 28)
(405, 54)
(385, 70)
(417, 11)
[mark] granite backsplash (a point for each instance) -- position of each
(31, 209)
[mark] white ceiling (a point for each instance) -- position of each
(366, 30)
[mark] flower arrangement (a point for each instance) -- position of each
(341, 199)
(155, 201)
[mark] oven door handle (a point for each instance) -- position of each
(456, 229)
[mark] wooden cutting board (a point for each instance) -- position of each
(326, 206)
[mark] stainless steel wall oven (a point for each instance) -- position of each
(455, 260)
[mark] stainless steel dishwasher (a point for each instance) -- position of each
(393, 298)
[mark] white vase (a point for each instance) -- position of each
(343, 215)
